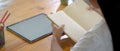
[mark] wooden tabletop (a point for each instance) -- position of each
(23, 9)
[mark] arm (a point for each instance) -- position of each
(57, 33)
(55, 46)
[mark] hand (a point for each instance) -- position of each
(98, 10)
(91, 8)
(58, 31)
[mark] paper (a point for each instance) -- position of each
(79, 12)
(77, 19)
(71, 28)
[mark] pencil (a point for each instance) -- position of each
(5, 17)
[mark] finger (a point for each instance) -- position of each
(61, 27)
(54, 27)
(91, 7)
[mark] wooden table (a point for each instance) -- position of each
(23, 9)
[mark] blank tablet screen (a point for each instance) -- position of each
(33, 28)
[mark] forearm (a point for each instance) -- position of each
(55, 46)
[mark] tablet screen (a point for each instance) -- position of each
(33, 28)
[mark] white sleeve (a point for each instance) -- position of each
(97, 39)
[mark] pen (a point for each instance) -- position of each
(5, 17)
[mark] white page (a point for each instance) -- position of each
(72, 29)
(77, 19)
(79, 12)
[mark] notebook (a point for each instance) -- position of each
(32, 29)
(78, 20)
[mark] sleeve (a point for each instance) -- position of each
(97, 39)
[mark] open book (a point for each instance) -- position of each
(77, 19)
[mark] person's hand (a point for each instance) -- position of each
(57, 43)
(98, 10)
(58, 31)
(91, 7)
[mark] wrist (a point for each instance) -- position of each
(55, 46)
(56, 38)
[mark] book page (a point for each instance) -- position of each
(72, 29)
(79, 12)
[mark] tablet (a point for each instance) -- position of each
(32, 29)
